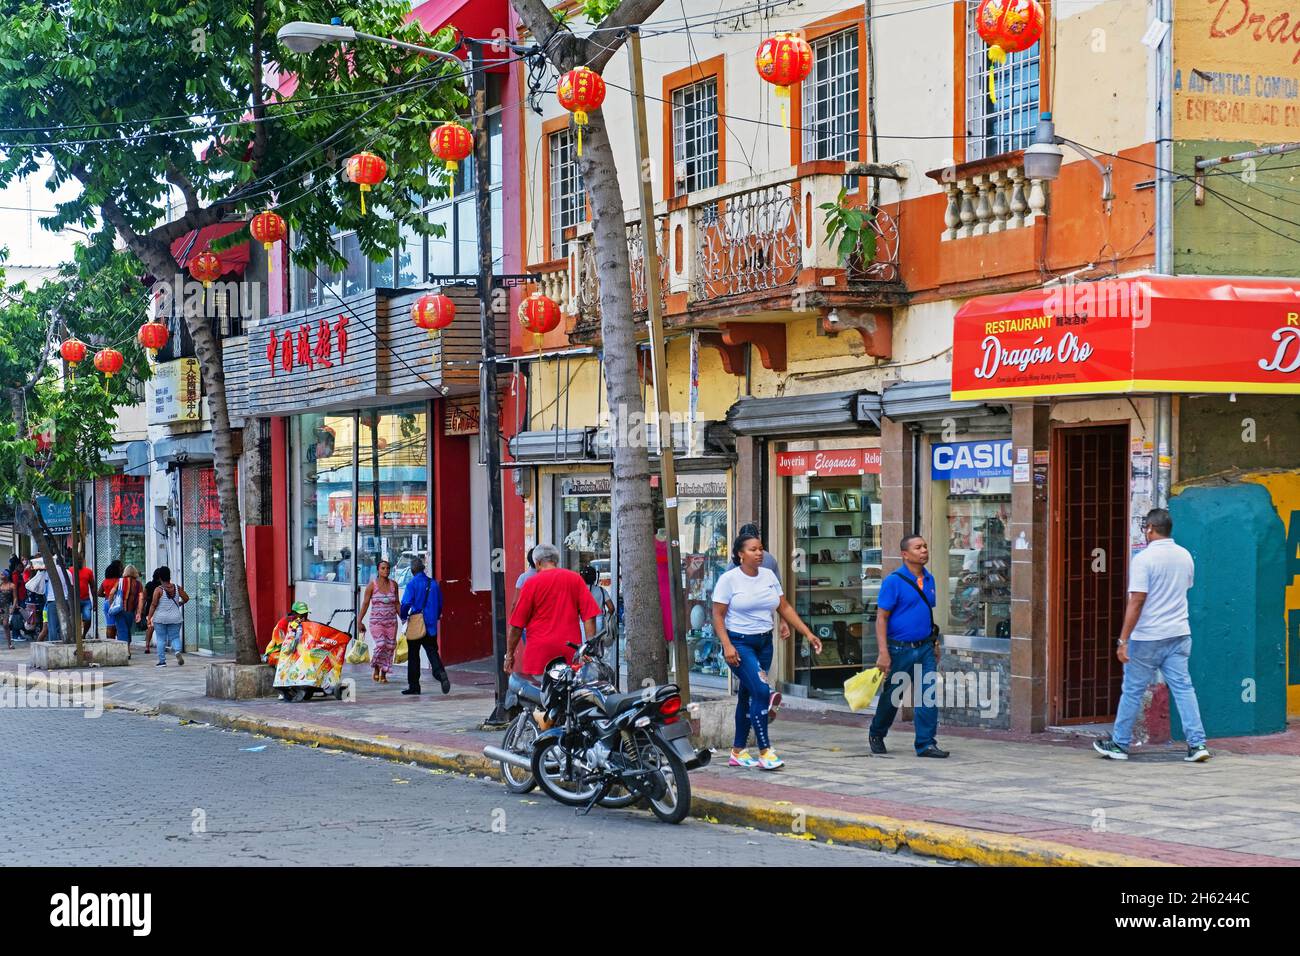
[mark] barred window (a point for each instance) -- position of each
(1008, 124)
(567, 206)
(830, 106)
(695, 136)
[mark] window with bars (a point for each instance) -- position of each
(568, 208)
(695, 136)
(1008, 124)
(831, 99)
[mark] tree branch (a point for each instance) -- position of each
(259, 100)
(541, 23)
(183, 183)
(627, 13)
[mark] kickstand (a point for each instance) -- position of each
(600, 792)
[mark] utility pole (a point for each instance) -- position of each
(487, 392)
(658, 348)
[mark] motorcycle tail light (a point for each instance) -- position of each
(671, 720)
(671, 706)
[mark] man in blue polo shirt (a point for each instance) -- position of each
(906, 644)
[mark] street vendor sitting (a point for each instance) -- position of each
(286, 629)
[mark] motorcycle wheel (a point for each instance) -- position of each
(520, 737)
(618, 797)
(548, 763)
(675, 803)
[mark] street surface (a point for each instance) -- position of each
(139, 790)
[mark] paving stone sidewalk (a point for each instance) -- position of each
(1240, 808)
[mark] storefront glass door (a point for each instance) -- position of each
(207, 620)
(392, 514)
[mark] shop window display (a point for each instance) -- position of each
(392, 472)
(119, 521)
(324, 446)
(586, 525)
(206, 616)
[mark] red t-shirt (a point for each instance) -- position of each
(551, 605)
(87, 578)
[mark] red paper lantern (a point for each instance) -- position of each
(268, 228)
(451, 143)
(152, 336)
(1008, 26)
(73, 350)
(108, 361)
(581, 91)
(206, 267)
(433, 313)
(366, 170)
(539, 314)
(784, 60)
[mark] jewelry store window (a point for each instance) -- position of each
(835, 520)
(970, 551)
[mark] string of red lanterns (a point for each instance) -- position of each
(580, 91)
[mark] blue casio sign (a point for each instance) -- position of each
(970, 459)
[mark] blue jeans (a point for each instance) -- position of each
(167, 634)
(87, 609)
(1169, 657)
(755, 652)
(122, 620)
(909, 659)
(52, 634)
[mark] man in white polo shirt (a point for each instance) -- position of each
(1157, 637)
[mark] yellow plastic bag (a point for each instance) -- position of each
(399, 657)
(358, 651)
(860, 689)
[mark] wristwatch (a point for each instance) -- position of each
(1120, 643)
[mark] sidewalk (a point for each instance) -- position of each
(1000, 798)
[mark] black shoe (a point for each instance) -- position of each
(411, 690)
(1108, 748)
(877, 744)
(446, 684)
(933, 751)
(1197, 754)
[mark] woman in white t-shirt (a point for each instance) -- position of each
(744, 599)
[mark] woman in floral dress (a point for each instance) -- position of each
(381, 600)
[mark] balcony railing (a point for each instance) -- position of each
(989, 196)
(759, 236)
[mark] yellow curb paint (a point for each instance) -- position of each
(923, 838)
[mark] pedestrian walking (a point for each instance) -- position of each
(7, 607)
(744, 600)
(421, 610)
(381, 600)
(53, 629)
(1156, 636)
(148, 603)
(112, 574)
(125, 606)
(590, 577)
(556, 607)
(165, 615)
(907, 644)
(86, 596)
(769, 561)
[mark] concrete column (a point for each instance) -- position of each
(1030, 429)
(896, 470)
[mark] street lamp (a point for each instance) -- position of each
(303, 37)
(1043, 158)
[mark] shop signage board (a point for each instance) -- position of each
(970, 459)
(829, 462)
(57, 515)
(1145, 334)
(209, 503)
(461, 418)
(580, 485)
(697, 486)
(1237, 71)
(176, 392)
(126, 501)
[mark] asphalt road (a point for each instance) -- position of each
(137, 790)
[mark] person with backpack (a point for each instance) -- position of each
(165, 615)
(908, 644)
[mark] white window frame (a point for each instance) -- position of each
(567, 200)
(696, 153)
(831, 100)
(1009, 124)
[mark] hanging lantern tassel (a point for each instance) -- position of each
(997, 56)
(580, 120)
(783, 95)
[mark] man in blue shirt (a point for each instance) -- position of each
(907, 645)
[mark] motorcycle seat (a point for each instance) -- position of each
(613, 704)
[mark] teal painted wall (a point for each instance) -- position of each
(1236, 607)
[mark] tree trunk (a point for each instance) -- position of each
(647, 655)
(157, 257)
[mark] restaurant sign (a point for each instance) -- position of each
(1190, 334)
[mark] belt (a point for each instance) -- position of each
(909, 644)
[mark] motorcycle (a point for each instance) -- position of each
(524, 701)
(595, 739)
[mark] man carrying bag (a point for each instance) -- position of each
(907, 643)
(421, 610)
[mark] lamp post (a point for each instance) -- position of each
(303, 37)
(1043, 158)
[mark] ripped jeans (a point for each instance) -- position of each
(755, 652)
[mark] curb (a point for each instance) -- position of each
(936, 840)
(48, 682)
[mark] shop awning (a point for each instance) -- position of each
(552, 445)
(192, 243)
(473, 18)
(1147, 333)
(929, 405)
(180, 449)
(818, 414)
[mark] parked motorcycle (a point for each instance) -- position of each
(595, 739)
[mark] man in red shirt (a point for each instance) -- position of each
(550, 606)
(87, 585)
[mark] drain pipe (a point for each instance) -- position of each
(1163, 429)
